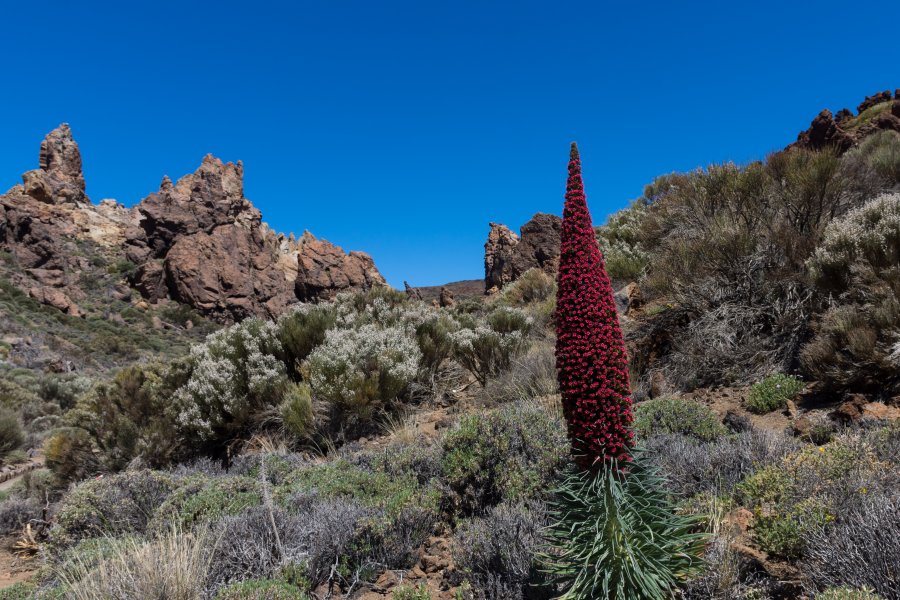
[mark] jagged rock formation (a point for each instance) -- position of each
(845, 130)
(198, 241)
(325, 270)
(507, 256)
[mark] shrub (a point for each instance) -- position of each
(359, 371)
(854, 345)
(773, 393)
(297, 410)
(434, 338)
(11, 435)
(251, 545)
(861, 549)
(486, 347)
(531, 375)
(677, 415)
(261, 589)
(112, 506)
(15, 513)
(301, 330)
(235, 374)
(199, 499)
(496, 553)
(129, 417)
(173, 566)
(620, 243)
(405, 592)
(534, 285)
(70, 454)
(512, 454)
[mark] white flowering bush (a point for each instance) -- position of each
(360, 370)
(235, 373)
(865, 238)
(486, 346)
(856, 341)
(619, 241)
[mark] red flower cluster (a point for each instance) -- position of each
(591, 362)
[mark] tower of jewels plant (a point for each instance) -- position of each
(615, 533)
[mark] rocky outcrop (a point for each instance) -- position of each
(201, 242)
(507, 256)
(845, 130)
(197, 241)
(59, 179)
(325, 270)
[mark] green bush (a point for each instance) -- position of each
(677, 415)
(435, 343)
(297, 410)
(407, 592)
(201, 499)
(773, 393)
(511, 454)
(11, 436)
(534, 285)
(486, 347)
(620, 243)
(261, 589)
(129, 417)
(70, 454)
(113, 506)
(302, 330)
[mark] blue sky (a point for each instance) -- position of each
(403, 128)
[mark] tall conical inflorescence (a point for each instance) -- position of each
(591, 361)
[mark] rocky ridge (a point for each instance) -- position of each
(844, 130)
(198, 241)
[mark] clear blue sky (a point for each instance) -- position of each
(403, 128)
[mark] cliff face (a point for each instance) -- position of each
(198, 241)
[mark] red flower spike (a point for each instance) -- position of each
(591, 362)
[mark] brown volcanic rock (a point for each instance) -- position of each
(59, 179)
(227, 273)
(202, 243)
(56, 299)
(325, 270)
(845, 130)
(507, 256)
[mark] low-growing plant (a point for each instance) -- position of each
(297, 413)
(112, 506)
(512, 454)
(531, 375)
(496, 553)
(199, 500)
(487, 347)
(261, 589)
(534, 285)
(848, 593)
(860, 549)
(773, 393)
(407, 592)
(677, 415)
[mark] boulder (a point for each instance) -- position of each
(324, 270)
(57, 299)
